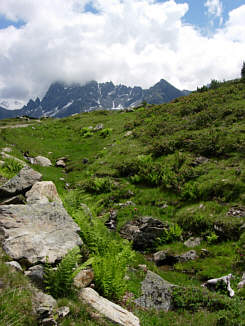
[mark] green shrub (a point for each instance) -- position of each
(10, 167)
(110, 270)
(59, 281)
(173, 233)
(97, 185)
(105, 132)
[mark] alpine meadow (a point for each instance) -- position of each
(157, 198)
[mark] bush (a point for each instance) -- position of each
(59, 281)
(10, 167)
(110, 270)
(97, 185)
(105, 132)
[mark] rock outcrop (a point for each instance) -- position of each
(156, 293)
(21, 183)
(38, 232)
(143, 231)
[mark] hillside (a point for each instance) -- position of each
(181, 163)
(63, 100)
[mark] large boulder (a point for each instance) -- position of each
(38, 232)
(43, 192)
(156, 293)
(20, 183)
(110, 310)
(144, 232)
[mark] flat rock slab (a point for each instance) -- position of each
(22, 182)
(38, 232)
(156, 293)
(110, 310)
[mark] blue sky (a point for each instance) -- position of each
(133, 42)
(197, 14)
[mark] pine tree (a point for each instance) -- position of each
(243, 71)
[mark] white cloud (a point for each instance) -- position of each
(214, 7)
(133, 42)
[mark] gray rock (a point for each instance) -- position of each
(36, 275)
(7, 149)
(241, 284)
(189, 255)
(43, 304)
(156, 293)
(83, 278)
(43, 161)
(48, 322)
(43, 192)
(60, 163)
(128, 133)
(110, 310)
(20, 183)
(167, 258)
(193, 242)
(63, 311)
(144, 232)
(236, 211)
(98, 127)
(38, 232)
(15, 265)
(160, 257)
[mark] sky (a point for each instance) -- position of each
(133, 42)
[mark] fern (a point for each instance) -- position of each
(59, 281)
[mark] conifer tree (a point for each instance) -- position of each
(243, 71)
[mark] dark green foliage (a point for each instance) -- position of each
(97, 185)
(243, 71)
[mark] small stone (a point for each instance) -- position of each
(83, 278)
(143, 267)
(48, 322)
(98, 127)
(193, 242)
(128, 133)
(189, 255)
(63, 311)
(43, 161)
(15, 265)
(36, 275)
(204, 253)
(60, 163)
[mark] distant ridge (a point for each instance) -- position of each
(63, 100)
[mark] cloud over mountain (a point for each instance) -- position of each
(131, 42)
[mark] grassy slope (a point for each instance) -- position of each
(157, 163)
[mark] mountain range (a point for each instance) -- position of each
(63, 100)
